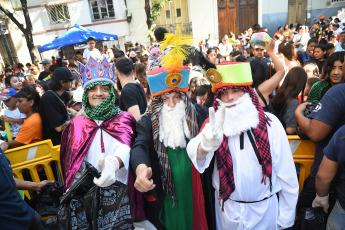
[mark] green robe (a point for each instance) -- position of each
(179, 215)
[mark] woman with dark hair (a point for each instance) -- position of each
(285, 102)
(286, 30)
(331, 75)
(203, 92)
(31, 130)
(248, 53)
(211, 54)
(289, 55)
(191, 91)
(320, 55)
(140, 74)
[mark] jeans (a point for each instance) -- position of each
(336, 220)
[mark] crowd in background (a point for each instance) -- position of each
(299, 64)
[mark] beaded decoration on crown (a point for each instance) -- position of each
(95, 71)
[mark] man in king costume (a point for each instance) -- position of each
(253, 161)
(103, 135)
(171, 185)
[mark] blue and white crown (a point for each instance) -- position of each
(95, 71)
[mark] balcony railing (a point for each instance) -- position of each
(185, 28)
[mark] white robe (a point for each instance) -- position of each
(267, 214)
(112, 147)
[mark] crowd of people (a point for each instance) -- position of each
(199, 140)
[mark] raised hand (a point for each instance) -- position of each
(212, 134)
(270, 46)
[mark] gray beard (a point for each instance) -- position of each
(173, 128)
(240, 118)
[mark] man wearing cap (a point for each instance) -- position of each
(102, 136)
(46, 64)
(253, 163)
(259, 54)
(173, 190)
(52, 107)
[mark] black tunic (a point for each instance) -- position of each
(143, 152)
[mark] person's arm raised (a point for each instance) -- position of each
(267, 87)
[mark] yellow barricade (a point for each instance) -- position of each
(303, 154)
(33, 157)
(43, 154)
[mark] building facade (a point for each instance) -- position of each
(127, 19)
(50, 19)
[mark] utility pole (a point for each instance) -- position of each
(5, 43)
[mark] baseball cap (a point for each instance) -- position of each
(323, 17)
(137, 49)
(63, 73)
(45, 61)
(7, 94)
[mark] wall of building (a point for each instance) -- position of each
(137, 26)
(315, 9)
(274, 14)
(204, 17)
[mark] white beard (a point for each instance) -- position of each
(241, 117)
(173, 128)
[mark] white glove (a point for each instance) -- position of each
(321, 201)
(212, 134)
(108, 167)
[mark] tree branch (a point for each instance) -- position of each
(26, 16)
(13, 19)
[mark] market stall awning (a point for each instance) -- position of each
(76, 35)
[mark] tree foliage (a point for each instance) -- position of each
(152, 13)
(26, 29)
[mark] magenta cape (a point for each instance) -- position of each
(79, 134)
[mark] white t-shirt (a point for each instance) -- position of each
(338, 31)
(15, 114)
(92, 53)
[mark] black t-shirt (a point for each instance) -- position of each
(319, 64)
(53, 113)
(43, 75)
(133, 94)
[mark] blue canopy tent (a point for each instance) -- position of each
(76, 35)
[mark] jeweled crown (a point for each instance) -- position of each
(95, 71)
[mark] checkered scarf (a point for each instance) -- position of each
(104, 110)
(223, 155)
(164, 164)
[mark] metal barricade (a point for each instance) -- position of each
(303, 154)
(40, 156)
